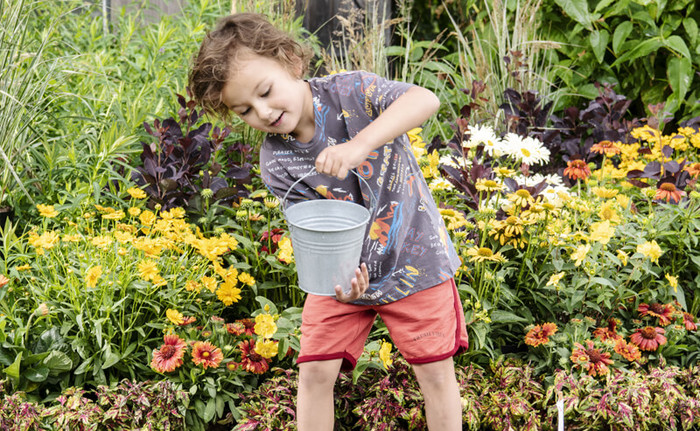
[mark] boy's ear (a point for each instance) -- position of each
(298, 67)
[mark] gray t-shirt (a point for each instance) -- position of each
(406, 247)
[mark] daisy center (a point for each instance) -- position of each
(205, 354)
(594, 355)
(167, 351)
(668, 187)
(485, 252)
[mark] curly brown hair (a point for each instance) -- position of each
(237, 33)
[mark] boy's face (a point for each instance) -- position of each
(264, 94)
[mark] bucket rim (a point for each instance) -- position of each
(355, 225)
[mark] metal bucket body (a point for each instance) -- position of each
(327, 237)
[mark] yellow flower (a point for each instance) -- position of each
(580, 254)
(623, 256)
(504, 172)
(102, 242)
(148, 270)
(92, 275)
(602, 232)
(47, 211)
(174, 316)
(26, 267)
(228, 294)
(285, 250)
(210, 283)
(484, 254)
(604, 193)
(486, 185)
(46, 240)
(607, 212)
(115, 215)
(246, 278)
(672, 281)
(136, 193)
(651, 250)
(72, 238)
(265, 325)
(192, 285)
(555, 278)
(385, 354)
(521, 198)
(266, 348)
(147, 217)
(134, 211)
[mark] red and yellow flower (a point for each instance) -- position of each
(668, 192)
(649, 338)
(689, 322)
(590, 359)
(606, 147)
(627, 350)
(168, 357)
(252, 361)
(206, 354)
(664, 312)
(540, 334)
(609, 332)
(577, 169)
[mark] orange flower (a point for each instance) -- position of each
(186, 320)
(250, 360)
(3, 280)
(591, 359)
(236, 328)
(693, 169)
(668, 192)
(540, 334)
(689, 321)
(577, 169)
(663, 311)
(606, 147)
(206, 354)
(169, 356)
(627, 350)
(609, 332)
(649, 338)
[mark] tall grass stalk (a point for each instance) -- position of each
(24, 79)
(484, 46)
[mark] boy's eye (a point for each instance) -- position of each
(245, 112)
(267, 93)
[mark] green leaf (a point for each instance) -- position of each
(620, 35)
(209, 410)
(13, 370)
(680, 74)
(83, 367)
(38, 374)
(110, 359)
(577, 10)
(602, 5)
(7, 356)
(58, 362)
(500, 316)
(599, 42)
(643, 49)
(691, 28)
(677, 44)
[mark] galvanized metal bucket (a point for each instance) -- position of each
(327, 237)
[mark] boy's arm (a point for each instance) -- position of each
(408, 111)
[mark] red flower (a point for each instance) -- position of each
(251, 361)
(689, 321)
(649, 338)
(235, 328)
(206, 354)
(668, 192)
(271, 238)
(249, 325)
(168, 357)
(540, 334)
(577, 169)
(663, 311)
(628, 351)
(606, 147)
(609, 332)
(186, 320)
(591, 359)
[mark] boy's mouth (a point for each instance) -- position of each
(277, 121)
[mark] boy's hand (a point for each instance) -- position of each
(358, 286)
(338, 160)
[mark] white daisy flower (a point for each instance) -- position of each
(523, 150)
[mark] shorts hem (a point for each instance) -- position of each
(348, 364)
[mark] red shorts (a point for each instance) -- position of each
(427, 326)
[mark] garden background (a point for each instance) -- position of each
(147, 279)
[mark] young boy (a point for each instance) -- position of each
(343, 122)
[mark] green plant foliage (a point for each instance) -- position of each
(646, 48)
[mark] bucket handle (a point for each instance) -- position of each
(372, 202)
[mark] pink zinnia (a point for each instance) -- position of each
(169, 356)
